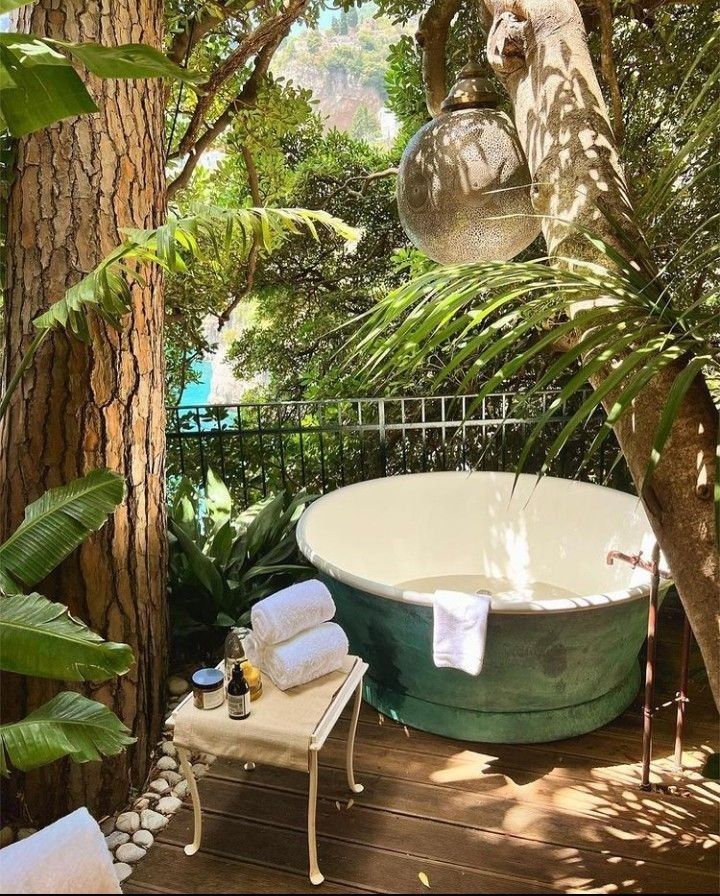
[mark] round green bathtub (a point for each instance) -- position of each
(565, 627)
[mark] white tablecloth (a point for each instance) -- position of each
(277, 732)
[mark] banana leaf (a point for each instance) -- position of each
(57, 523)
(41, 638)
(68, 725)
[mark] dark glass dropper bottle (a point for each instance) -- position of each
(238, 694)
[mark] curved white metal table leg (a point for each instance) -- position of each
(187, 771)
(350, 750)
(315, 875)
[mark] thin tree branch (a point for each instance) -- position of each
(431, 37)
(607, 67)
(249, 46)
(365, 181)
(245, 100)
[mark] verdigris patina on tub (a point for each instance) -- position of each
(565, 628)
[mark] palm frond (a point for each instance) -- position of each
(106, 290)
(493, 319)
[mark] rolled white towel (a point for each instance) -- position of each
(288, 612)
(69, 856)
(309, 655)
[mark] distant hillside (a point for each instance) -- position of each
(344, 66)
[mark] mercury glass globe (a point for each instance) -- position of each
(463, 186)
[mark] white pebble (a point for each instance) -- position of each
(168, 805)
(143, 838)
(160, 785)
(168, 749)
(129, 852)
(122, 871)
(172, 778)
(199, 770)
(128, 822)
(177, 686)
(24, 833)
(180, 790)
(153, 821)
(207, 758)
(167, 764)
(141, 804)
(117, 838)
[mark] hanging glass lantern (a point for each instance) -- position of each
(463, 185)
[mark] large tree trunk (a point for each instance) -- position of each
(85, 406)
(539, 49)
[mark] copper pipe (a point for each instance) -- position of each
(682, 698)
(636, 560)
(650, 668)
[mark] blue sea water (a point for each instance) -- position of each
(198, 393)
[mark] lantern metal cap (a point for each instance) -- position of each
(472, 90)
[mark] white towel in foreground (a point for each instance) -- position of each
(309, 655)
(69, 856)
(292, 610)
(459, 630)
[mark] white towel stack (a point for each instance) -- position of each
(293, 641)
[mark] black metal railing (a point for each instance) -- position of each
(259, 448)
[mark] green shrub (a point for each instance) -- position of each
(221, 565)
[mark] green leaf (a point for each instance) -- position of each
(264, 516)
(9, 5)
(58, 522)
(38, 88)
(202, 567)
(220, 548)
(68, 725)
(127, 61)
(41, 638)
(219, 502)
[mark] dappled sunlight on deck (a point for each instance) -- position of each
(558, 817)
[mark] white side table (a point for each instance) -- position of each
(285, 728)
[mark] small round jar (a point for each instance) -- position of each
(208, 688)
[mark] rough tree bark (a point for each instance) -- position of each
(539, 50)
(86, 406)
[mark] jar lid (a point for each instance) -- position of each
(472, 90)
(207, 679)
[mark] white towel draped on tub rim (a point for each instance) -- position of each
(301, 659)
(69, 856)
(459, 630)
(288, 612)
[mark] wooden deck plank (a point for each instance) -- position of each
(503, 853)
(483, 767)
(167, 869)
(343, 861)
(492, 818)
(690, 844)
(606, 744)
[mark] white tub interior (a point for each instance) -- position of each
(542, 548)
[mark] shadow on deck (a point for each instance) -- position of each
(453, 817)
